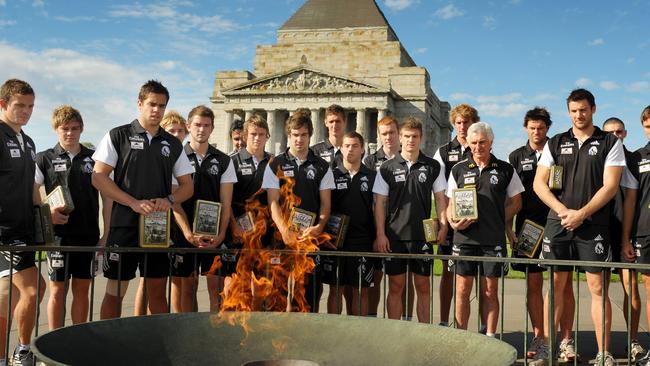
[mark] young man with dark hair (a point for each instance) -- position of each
(330, 148)
(70, 165)
(388, 135)
(213, 178)
(537, 122)
(462, 116)
(498, 192)
(237, 136)
(313, 181)
(577, 226)
(17, 156)
(144, 158)
(403, 186)
(635, 240)
(352, 197)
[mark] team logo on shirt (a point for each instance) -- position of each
(566, 150)
(214, 169)
(453, 156)
(364, 187)
(87, 168)
(165, 150)
(422, 177)
(311, 172)
(494, 179)
(593, 150)
(15, 153)
(599, 248)
(644, 166)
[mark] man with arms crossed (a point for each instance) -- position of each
(403, 187)
(17, 156)
(577, 226)
(498, 191)
(143, 157)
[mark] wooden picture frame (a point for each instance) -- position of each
(60, 197)
(430, 227)
(337, 226)
(154, 230)
(529, 239)
(300, 219)
(464, 204)
(207, 218)
(246, 221)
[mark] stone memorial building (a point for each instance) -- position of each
(331, 51)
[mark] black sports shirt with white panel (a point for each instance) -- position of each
(494, 183)
(250, 174)
(353, 197)
(55, 167)
(328, 152)
(524, 160)
(637, 176)
(408, 186)
(584, 165)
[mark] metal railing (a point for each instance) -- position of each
(9, 251)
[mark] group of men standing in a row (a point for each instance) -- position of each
(143, 167)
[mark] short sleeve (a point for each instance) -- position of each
(106, 152)
(515, 186)
(270, 180)
(328, 180)
(440, 184)
(182, 166)
(380, 186)
(229, 176)
(546, 159)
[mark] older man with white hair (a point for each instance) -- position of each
(498, 198)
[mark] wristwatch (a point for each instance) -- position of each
(171, 199)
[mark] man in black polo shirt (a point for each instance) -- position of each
(144, 158)
(330, 149)
(388, 134)
(577, 225)
(537, 122)
(353, 198)
(313, 185)
(635, 240)
(69, 164)
(462, 116)
(616, 127)
(213, 179)
(403, 187)
(498, 191)
(17, 156)
(237, 136)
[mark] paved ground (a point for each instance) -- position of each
(514, 310)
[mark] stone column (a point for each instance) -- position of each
(318, 126)
(248, 114)
(363, 125)
(229, 119)
(270, 120)
(381, 113)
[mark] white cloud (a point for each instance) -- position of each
(104, 91)
(596, 42)
(542, 97)
(461, 96)
(502, 109)
(638, 86)
(489, 22)
(505, 98)
(3, 2)
(583, 82)
(609, 85)
(647, 74)
(6, 23)
(399, 4)
(173, 21)
(630, 60)
(420, 50)
(448, 12)
(38, 3)
(80, 18)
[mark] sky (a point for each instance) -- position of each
(504, 57)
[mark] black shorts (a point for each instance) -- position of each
(186, 264)
(588, 243)
(521, 267)
(642, 251)
(348, 271)
(63, 265)
(397, 266)
(122, 266)
(18, 260)
(615, 233)
(471, 268)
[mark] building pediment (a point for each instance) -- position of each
(303, 80)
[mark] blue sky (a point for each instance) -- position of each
(503, 57)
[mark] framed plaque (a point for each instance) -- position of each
(337, 226)
(300, 219)
(43, 227)
(246, 221)
(556, 177)
(430, 227)
(60, 197)
(154, 229)
(529, 238)
(207, 216)
(464, 204)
